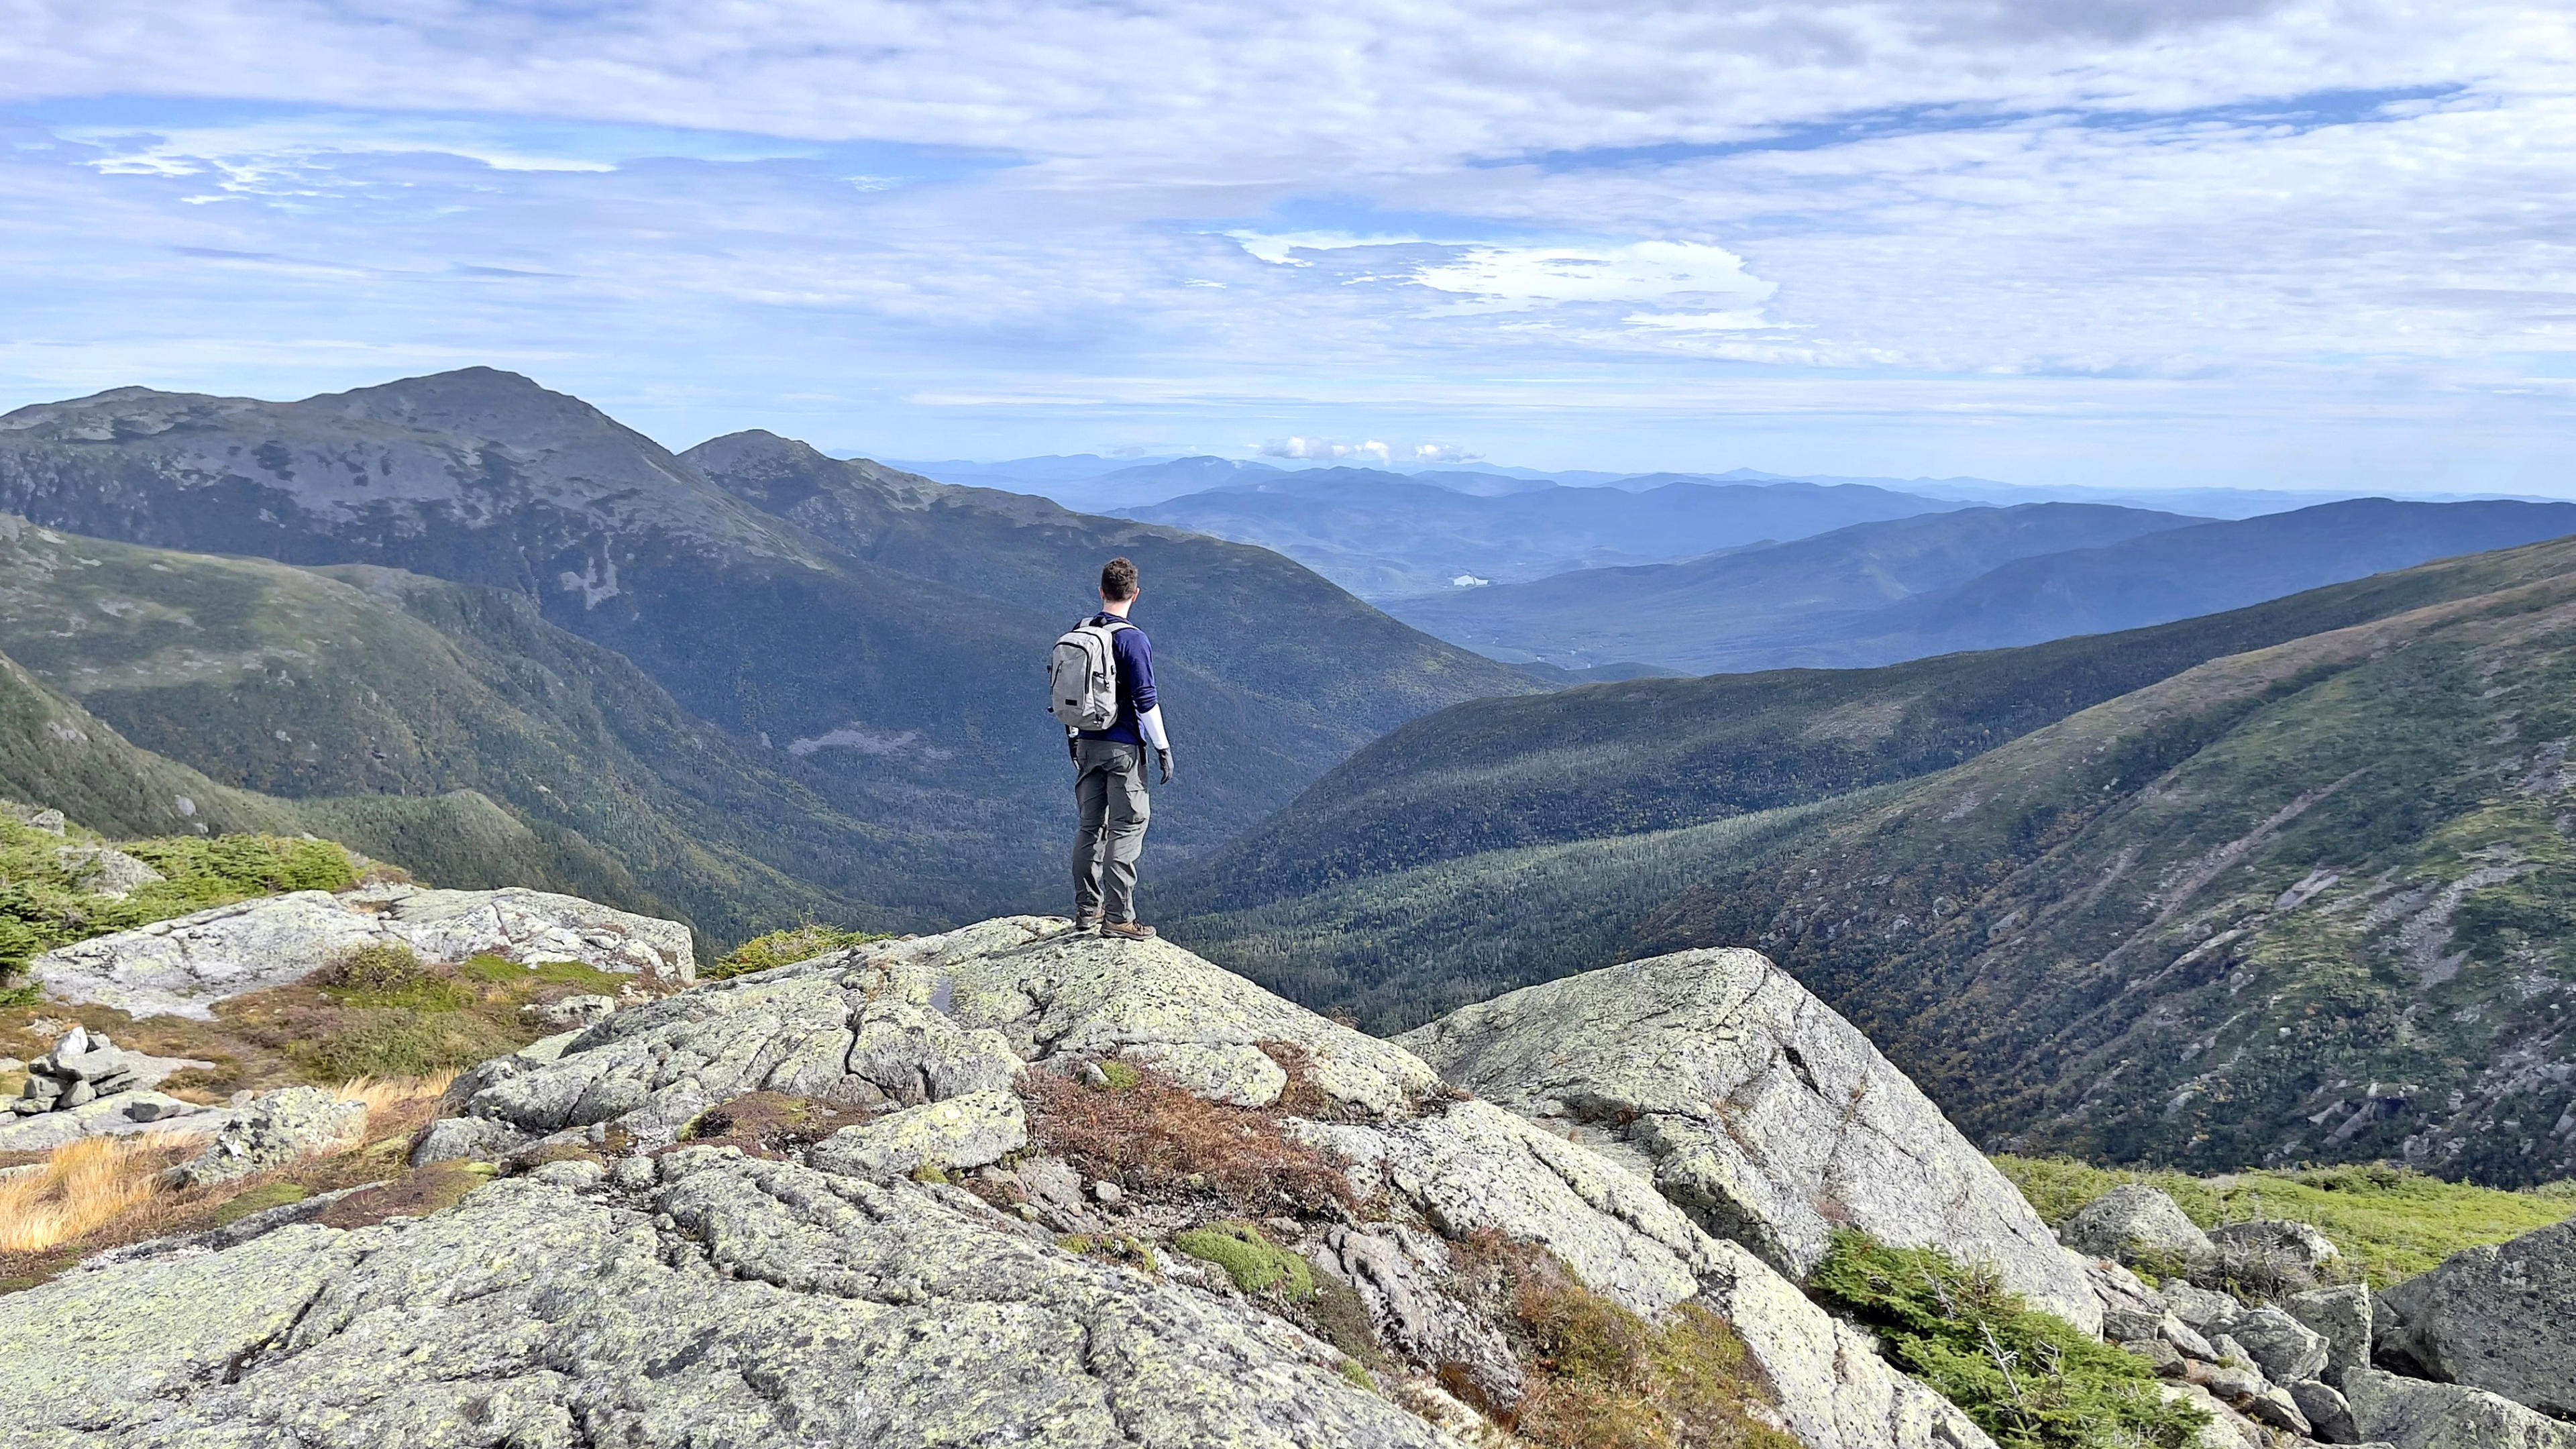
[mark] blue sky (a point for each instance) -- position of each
(2184, 242)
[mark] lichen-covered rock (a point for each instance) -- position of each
(1476, 1166)
(2341, 1316)
(2284, 1347)
(2210, 1313)
(1056, 995)
(103, 870)
(124, 1114)
(184, 966)
(1391, 1270)
(1757, 1109)
(2136, 1224)
(2499, 1317)
(88, 1356)
(729, 1302)
(2328, 1414)
(954, 1133)
(2274, 1256)
(276, 1128)
(2413, 1414)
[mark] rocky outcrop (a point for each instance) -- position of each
(627, 1289)
(183, 966)
(909, 1022)
(87, 1085)
(273, 1130)
(1756, 1109)
(2139, 1226)
(2409, 1413)
(723, 1300)
(103, 870)
(2500, 1318)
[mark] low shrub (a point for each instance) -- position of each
(1596, 1376)
(42, 905)
(2030, 1379)
(785, 948)
(1256, 1264)
(1154, 1136)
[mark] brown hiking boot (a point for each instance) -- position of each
(1126, 931)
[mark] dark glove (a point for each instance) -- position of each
(1164, 759)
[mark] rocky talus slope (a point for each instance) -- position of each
(633, 1280)
(2473, 1355)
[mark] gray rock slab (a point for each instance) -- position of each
(87, 1355)
(2500, 1318)
(275, 1129)
(1762, 1113)
(1477, 1166)
(103, 870)
(1056, 995)
(2329, 1415)
(181, 967)
(107, 1116)
(955, 1133)
(2137, 1224)
(2415, 1414)
(2342, 1316)
(733, 1302)
(2284, 1347)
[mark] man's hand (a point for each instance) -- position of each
(1164, 759)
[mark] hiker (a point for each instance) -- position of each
(1102, 675)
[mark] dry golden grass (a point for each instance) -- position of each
(1153, 1136)
(391, 1097)
(110, 1189)
(83, 1186)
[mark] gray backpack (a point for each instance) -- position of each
(1082, 676)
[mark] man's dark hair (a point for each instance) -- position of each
(1117, 580)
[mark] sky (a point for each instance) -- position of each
(2307, 244)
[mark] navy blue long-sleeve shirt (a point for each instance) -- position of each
(1135, 655)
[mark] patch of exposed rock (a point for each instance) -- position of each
(2500, 1318)
(183, 966)
(688, 1295)
(1756, 1108)
(727, 1301)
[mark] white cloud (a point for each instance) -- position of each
(1505, 278)
(2098, 221)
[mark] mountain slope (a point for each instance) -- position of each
(361, 680)
(1386, 535)
(2311, 901)
(1297, 663)
(1749, 608)
(1662, 754)
(918, 694)
(1748, 611)
(54, 754)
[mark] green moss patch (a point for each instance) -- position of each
(2030, 1379)
(2391, 1222)
(1256, 1264)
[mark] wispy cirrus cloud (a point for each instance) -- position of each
(2300, 240)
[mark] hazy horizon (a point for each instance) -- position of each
(2287, 244)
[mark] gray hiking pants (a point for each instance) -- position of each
(1109, 791)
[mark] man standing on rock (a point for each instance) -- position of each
(1104, 693)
